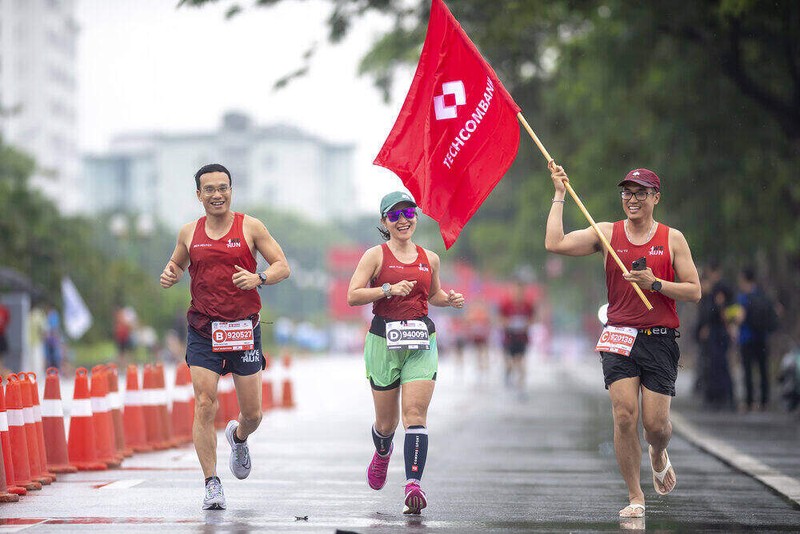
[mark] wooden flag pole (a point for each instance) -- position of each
(577, 200)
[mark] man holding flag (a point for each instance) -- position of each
(640, 368)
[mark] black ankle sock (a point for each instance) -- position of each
(236, 438)
(209, 479)
(415, 451)
(382, 443)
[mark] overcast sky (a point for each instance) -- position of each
(145, 65)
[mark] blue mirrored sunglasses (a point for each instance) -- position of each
(408, 213)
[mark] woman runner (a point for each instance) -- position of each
(400, 278)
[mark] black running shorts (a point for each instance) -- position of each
(239, 362)
(654, 359)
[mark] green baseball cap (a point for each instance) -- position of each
(392, 199)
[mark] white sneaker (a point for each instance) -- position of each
(240, 454)
(215, 498)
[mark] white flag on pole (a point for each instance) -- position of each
(77, 318)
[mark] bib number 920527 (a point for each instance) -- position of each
(228, 336)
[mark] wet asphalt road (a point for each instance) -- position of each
(497, 463)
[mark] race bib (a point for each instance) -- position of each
(234, 335)
(617, 339)
(410, 335)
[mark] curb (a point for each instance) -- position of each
(785, 486)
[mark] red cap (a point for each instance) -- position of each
(644, 177)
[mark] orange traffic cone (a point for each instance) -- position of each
(287, 391)
(133, 414)
(101, 414)
(182, 409)
(163, 408)
(5, 441)
(267, 394)
(5, 496)
(115, 405)
(34, 458)
(55, 437)
(28, 381)
(82, 445)
(20, 453)
(154, 429)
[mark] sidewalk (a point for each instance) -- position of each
(763, 445)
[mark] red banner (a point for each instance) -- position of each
(457, 132)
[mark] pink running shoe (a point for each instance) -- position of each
(376, 472)
(415, 499)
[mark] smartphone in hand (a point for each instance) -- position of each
(639, 265)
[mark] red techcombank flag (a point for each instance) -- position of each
(457, 132)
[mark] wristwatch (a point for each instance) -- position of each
(386, 288)
(656, 285)
(263, 278)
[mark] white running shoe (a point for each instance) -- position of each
(240, 454)
(215, 498)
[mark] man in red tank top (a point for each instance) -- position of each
(224, 331)
(637, 349)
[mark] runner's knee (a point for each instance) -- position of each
(386, 426)
(625, 416)
(656, 425)
(205, 407)
(251, 418)
(414, 415)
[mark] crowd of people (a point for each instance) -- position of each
(732, 332)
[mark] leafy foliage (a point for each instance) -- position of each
(705, 93)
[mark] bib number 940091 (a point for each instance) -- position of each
(228, 336)
(409, 335)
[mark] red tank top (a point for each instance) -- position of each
(212, 264)
(625, 308)
(415, 304)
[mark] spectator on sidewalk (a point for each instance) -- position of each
(709, 277)
(719, 386)
(53, 340)
(714, 382)
(125, 323)
(757, 319)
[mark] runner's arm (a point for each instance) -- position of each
(687, 284)
(577, 243)
(278, 269)
(438, 296)
(358, 293)
(178, 261)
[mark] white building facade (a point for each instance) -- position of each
(39, 92)
(278, 167)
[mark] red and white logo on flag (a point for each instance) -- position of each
(443, 107)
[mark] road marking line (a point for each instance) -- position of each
(121, 484)
(785, 485)
(19, 524)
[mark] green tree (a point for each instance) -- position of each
(39, 242)
(706, 93)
